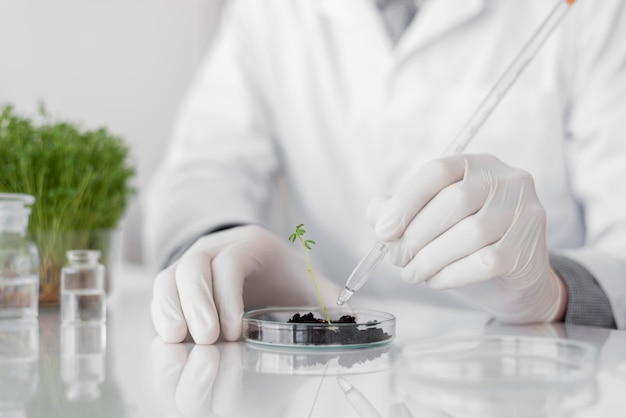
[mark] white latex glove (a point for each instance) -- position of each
(206, 290)
(473, 223)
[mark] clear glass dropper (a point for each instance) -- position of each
(363, 270)
(377, 251)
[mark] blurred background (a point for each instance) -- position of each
(121, 64)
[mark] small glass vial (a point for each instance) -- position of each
(83, 298)
(19, 259)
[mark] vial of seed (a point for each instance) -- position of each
(83, 298)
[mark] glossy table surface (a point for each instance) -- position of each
(122, 369)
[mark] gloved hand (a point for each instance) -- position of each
(206, 290)
(472, 223)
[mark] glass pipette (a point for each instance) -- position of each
(377, 251)
(362, 272)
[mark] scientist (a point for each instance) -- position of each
(347, 106)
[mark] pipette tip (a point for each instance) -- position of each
(344, 296)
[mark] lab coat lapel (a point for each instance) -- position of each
(345, 12)
(435, 19)
(359, 17)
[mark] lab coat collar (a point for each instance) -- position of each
(346, 12)
(359, 17)
(437, 17)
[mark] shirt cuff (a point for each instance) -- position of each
(587, 304)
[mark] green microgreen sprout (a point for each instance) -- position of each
(81, 179)
(306, 244)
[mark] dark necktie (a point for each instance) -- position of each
(397, 15)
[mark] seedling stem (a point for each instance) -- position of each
(306, 244)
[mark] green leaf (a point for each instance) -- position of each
(292, 237)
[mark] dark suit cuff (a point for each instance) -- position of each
(587, 304)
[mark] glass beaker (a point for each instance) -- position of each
(83, 296)
(19, 259)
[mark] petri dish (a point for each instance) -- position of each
(329, 362)
(272, 327)
(500, 362)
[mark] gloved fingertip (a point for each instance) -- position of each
(385, 231)
(172, 332)
(411, 277)
(439, 283)
(231, 337)
(170, 326)
(205, 337)
(389, 227)
(231, 330)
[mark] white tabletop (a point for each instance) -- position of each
(122, 369)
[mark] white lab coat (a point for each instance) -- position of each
(313, 90)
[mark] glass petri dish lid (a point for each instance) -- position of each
(500, 362)
(275, 327)
(499, 376)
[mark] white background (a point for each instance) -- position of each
(122, 64)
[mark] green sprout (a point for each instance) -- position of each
(306, 244)
(82, 183)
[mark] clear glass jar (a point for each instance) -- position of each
(83, 296)
(19, 259)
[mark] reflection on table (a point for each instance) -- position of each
(19, 365)
(83, 348)
(484, 376)
(122, 369)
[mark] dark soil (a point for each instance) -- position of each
(343, 335)
(309, 318)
